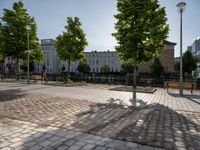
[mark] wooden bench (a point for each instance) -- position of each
(175, 85)
(35, 78)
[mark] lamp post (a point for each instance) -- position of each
(28, 28)
(181, 6)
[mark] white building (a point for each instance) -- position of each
(195, 46)
(51, 59)
(95, 59)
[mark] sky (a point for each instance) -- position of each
(97, 18)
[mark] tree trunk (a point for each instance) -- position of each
(134, 87)
(17, 69)
(68, 71)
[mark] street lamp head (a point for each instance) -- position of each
(181, 6)
(28, 27)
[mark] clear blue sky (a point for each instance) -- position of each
(98, 21)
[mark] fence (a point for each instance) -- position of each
(117, 78)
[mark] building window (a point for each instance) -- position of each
(93, 70)
(97, 69)
(97, 62)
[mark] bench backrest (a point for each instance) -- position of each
(186, 85)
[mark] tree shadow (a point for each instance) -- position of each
(13, 94)
(154, 125)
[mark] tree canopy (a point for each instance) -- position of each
(14, 34)
(71, 44)
(105, 68)
(83, 67)
(189, 62)
(141, 30)
(156, 68)
(127, 67)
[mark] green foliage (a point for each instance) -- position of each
(1, 44)
(63, 68)
(44, 67)
(68, 81)
(189, 62)
(24, 67)
(84, 67)
(127, 67)
(71, 44)
(141, 30)
(14, 34)
(105, 68)
(177, 66)
(156, 68)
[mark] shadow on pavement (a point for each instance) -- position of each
(9, 95)
(154, 125)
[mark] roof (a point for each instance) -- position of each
(169, 43)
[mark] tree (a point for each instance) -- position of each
(127, 67)
(24, 67)
(105, 68)
(83, 67)
(43, 67)
(141, 29)
(177, 66)
(189, 62)
(14, 35)
(71, 44)
(157, 68)
(63, 68)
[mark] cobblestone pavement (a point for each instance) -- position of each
(19, 135)
(29, 119)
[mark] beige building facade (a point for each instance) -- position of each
(166, 59)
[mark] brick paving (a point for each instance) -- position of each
(165, 120)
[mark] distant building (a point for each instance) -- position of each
(8, 66)
(189, 48)
(176, 60)
(96, 60)
(196, 45)
(166, 59)
(50, 57)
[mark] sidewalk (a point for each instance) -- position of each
(165, 121)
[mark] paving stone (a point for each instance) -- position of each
(70, 142)
(164, 117)
(100, 148)
(36, 147)
(74, 147)
(88, 147)
(7, 148)
(3, 144)
(62, 147)
(30, 144)
(46, 143)
(131, 145)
